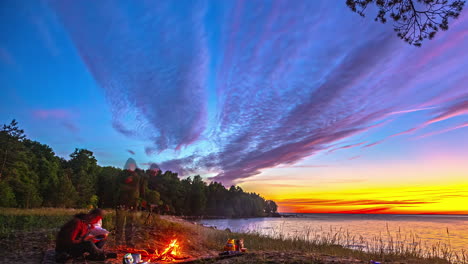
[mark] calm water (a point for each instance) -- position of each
(427, 229)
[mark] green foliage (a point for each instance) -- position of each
(46, 166)
(152, 197)
(270, 207)
(64, 193)
(7, 196)
(85, 172)
(93, 201)
(107, 187)
(33, 176)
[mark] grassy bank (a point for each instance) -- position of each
(25, 234)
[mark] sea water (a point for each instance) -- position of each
(356, 230)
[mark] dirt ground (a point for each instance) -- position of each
(36, 247)
(249, 258)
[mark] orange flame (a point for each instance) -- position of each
(171, 252)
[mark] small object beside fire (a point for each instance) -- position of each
(240, 245)
(130, 258)
(233, 247)
(230, 245)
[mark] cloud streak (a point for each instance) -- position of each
(334, 202)
(443, 131)
(62, 116)
(152, 66)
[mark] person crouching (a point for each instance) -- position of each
(74, 238)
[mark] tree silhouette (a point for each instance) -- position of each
(10, 137)
(413, 20)
(34, 176)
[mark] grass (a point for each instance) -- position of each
(41, 225)
(30, 220)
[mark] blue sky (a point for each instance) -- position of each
(236, 90)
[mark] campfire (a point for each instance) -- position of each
(171, 253)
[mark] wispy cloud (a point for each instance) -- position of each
(373, 144)
(284, 88)
(301, 166)
(62, 116)
(131, 151)
(154, 76)
(347, 146)
(339, 202)
(411, 110)
(373, 210)
(51, 113)
(360, 206)
(443, 130)
(70, 126)
(457, 108)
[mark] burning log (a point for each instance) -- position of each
(171, 253)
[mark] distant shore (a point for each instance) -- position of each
(194, 218)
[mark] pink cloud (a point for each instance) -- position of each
(51, 113)
(411, 110)
(456, 109)
(443, 131)
(354, 157)
(445, 46)
(348, 146)
(408, 131)
(302, 166)
(62, 116)
(374, 144)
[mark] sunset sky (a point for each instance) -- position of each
(304, 102)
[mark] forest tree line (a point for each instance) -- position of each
(31, 175)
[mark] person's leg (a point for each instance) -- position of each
(77, 250)
(100, 244)
(61, 257)
(95, 253)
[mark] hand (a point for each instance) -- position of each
(88, 238)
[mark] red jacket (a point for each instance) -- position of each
(71, 233)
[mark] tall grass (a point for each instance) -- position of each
(386, 246)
